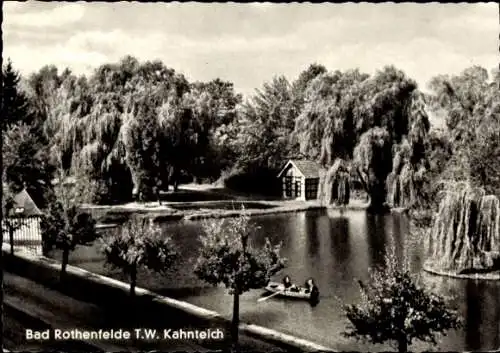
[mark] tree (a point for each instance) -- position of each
(26, 164)
(410, 164)
(143, 146)
(93, 116)
(394, 308)
(339, 108)
(471, 104)
(373, 157)
(65, 225)
(300, 85)
(332, 116)
(228, 257)
(15, 105)
(266, 123)
(181, 137)
(262, 138)
(214, 106)
(139, 244)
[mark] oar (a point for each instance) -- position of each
(270, 296)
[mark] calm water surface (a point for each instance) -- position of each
(335, 250)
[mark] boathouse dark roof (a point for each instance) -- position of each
(309, 169)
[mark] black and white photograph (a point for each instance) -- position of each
(250, 177)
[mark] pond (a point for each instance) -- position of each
(335, 250)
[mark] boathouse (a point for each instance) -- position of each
(24, 219)
(300, 180)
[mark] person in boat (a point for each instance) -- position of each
(313, 289)
(287, 283)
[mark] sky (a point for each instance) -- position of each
(248, 44)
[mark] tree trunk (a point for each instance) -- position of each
(11, 239)
(65, 260)
(377, 195)
(133, 281)
(158, 198)
(377, 199)
(402, 345)
(175, 179)
(236, 319)
(363, 181)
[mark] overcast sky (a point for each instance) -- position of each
(249, 43)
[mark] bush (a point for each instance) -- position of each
(395, 309)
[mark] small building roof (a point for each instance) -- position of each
(24, 206)
(309, 169)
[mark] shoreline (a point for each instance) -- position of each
(173, 211)
(50, 271)
(491, 276)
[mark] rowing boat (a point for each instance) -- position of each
(291, 292)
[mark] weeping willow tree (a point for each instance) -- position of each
(143, 140)
(465, 236)
(335, 185)
(182, 135)
(340, 108)
(92, 119)
(373, 156)
(330, 117)
(405, 181)
(136, 127)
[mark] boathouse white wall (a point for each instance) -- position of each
(300, 180)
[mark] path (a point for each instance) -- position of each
(26, 298)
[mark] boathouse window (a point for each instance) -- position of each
(288, 186)
(298, 182)
(311, 188)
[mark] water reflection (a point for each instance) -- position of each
(340, 247)
(478, 302)
(482, 314)
(472, 317)
(312, 236)
(376, 238)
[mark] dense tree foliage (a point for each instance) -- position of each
(395, 309)
(265, 125)
(351, 111)
(139, 244)
(374, 158)
(15, 105)
(64, 224)
(137, 126)
(132, 126)
(471, 104)
(25, 163)
(24, 151)
(215, 108)
(229, 257)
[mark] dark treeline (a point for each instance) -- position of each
(135, 128)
